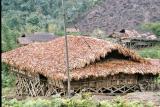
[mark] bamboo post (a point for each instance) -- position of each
(66, 48)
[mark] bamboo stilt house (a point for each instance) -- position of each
(95, 65)
(134, 40)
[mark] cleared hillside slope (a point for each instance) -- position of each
(117, 14)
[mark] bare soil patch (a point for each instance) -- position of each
(145, 97)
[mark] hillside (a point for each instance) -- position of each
(117, 14)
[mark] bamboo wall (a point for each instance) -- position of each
(123, 83)
(112, 81)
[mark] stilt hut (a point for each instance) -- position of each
(95, 65)
(134, 40)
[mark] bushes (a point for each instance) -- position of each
(154, 27)
(73, 102)
(153, 52)
(8, 80)
(79, 103)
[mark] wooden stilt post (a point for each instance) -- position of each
(66, 48)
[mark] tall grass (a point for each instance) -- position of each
(152, 52)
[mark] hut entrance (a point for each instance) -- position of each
(33, 86)
(116, 55)
(42, 78)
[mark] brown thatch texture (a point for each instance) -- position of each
(155, 62)
(112, 67)
(49, 58)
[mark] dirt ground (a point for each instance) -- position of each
(153, 97)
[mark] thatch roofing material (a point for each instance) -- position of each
(48, 58)
(113, 67)
(155, 62)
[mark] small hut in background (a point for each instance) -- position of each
(133, 39)
(96, 66)
(35, 37)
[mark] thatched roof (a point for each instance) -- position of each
(133, 34)
(155, 62)
(35, 37)
(112, 67)
(48, 58)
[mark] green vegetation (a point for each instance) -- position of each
(73, 102)
(152, 52)
(8, 79)
(153, 27)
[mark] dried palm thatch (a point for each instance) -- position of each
(48, 58)
(154, 61)
(113, 67)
